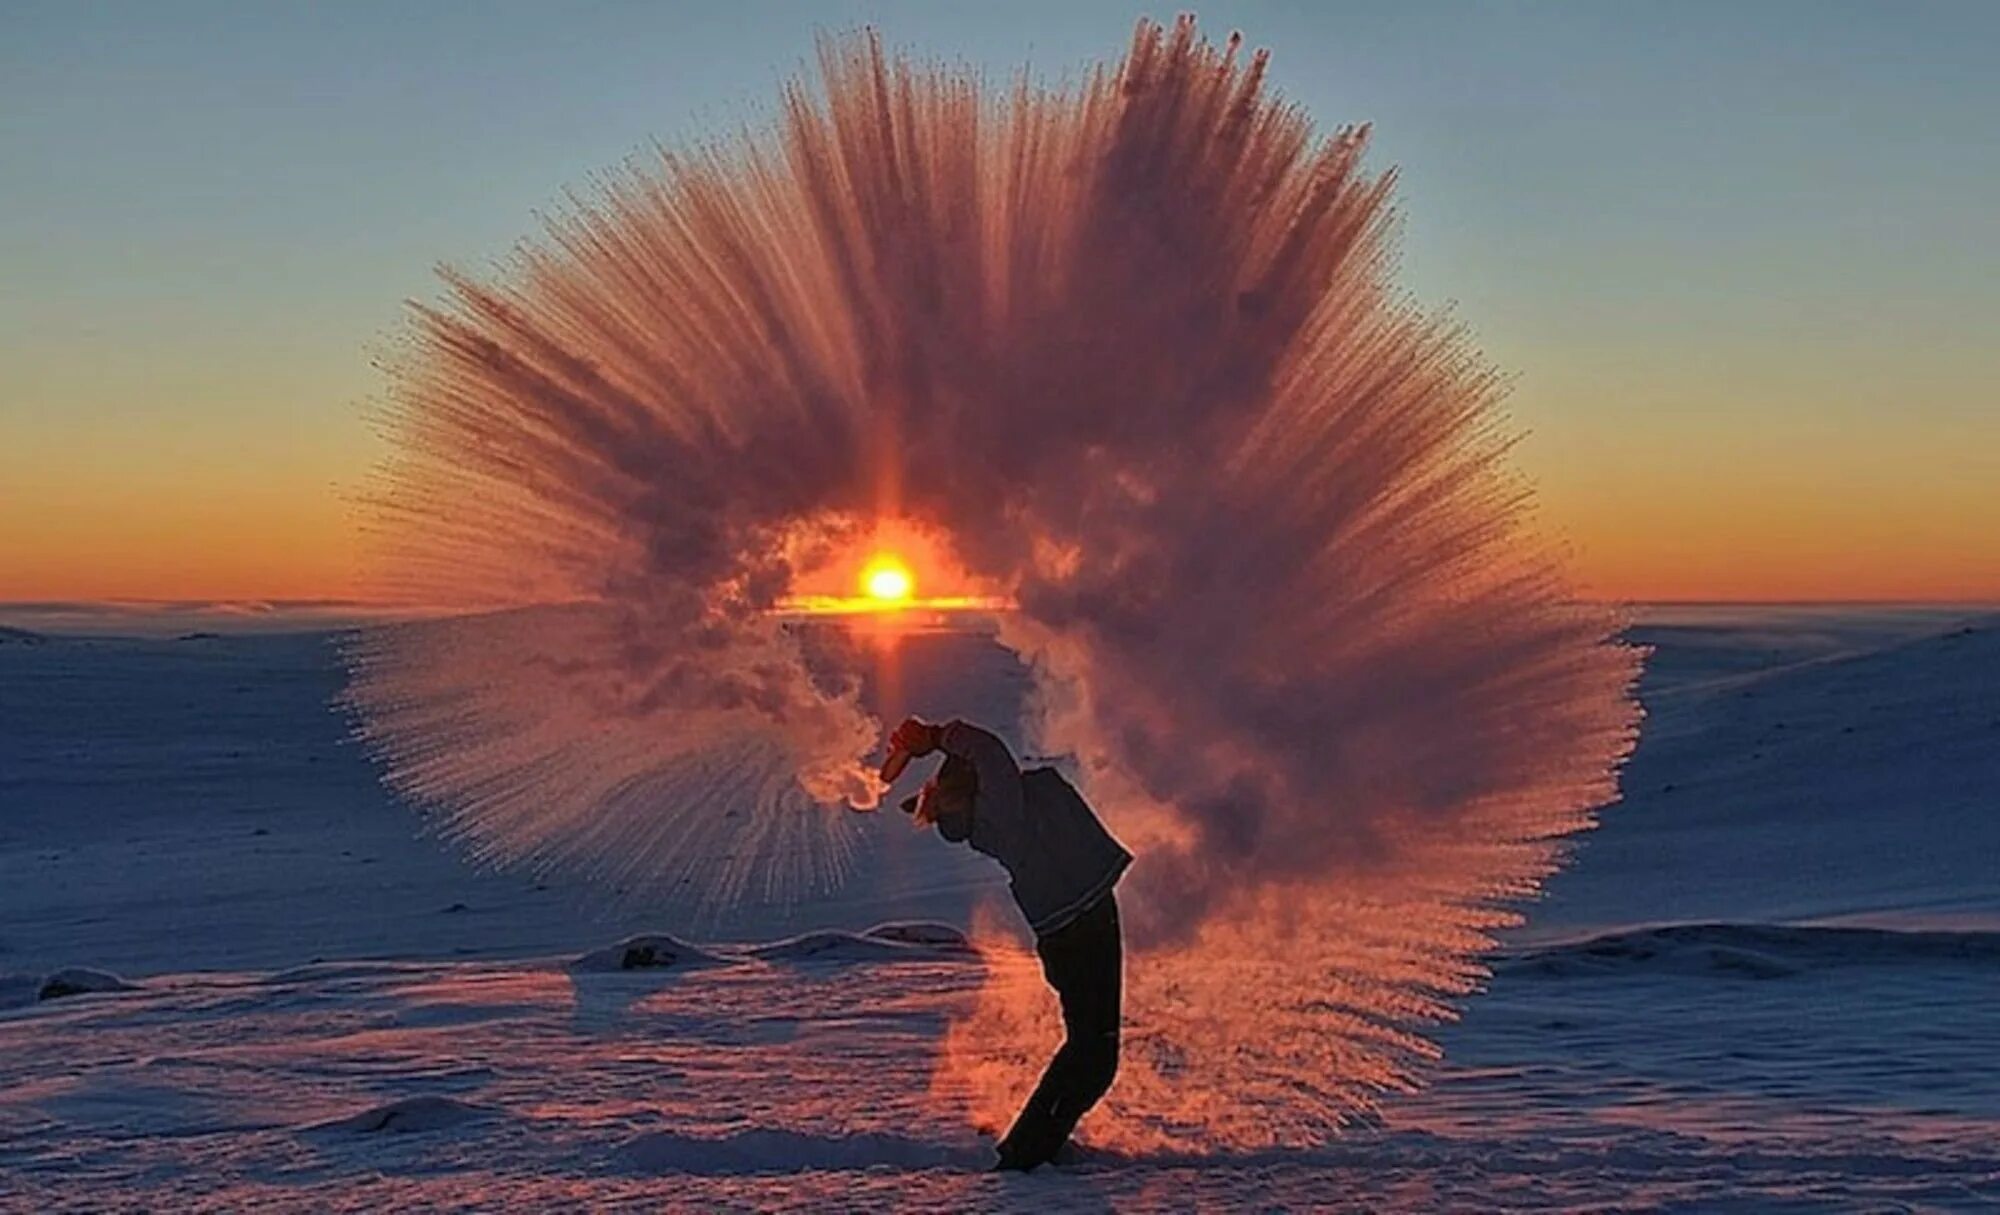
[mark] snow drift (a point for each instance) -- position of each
(884, 943)
(411, 1115)
(79, 981)
(647, 951)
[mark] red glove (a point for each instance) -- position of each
(910, 739)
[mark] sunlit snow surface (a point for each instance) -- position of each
(1813, 800)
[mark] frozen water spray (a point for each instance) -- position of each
(1278, 586)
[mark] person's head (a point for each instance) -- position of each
(950, 791)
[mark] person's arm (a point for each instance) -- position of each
(999, 776)
(926, 808)
(999, 791)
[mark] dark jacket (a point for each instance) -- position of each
(1058, 856)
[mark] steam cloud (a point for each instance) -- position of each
(1134, 352)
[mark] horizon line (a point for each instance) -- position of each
(254, 603)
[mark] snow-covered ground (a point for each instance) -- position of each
(232, 975)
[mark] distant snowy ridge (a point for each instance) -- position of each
(1854, 788)
(1752, 950)
(884, 942)
(898, 939)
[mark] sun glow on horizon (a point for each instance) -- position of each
(887, 580)
(905, 573)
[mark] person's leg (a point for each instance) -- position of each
(1021, 1149)
(1091, 1016)
(1098, 1017)
(1083, 961)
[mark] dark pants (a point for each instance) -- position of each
(1083, 961)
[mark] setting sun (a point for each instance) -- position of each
(887, 580)
(892, 573)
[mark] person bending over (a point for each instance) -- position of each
(1061, 866)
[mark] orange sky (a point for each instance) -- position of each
(1734, 525)
(1735, 482)
(1678, 508)
(153, 507)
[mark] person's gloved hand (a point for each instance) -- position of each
(924, 806)
(912, 738)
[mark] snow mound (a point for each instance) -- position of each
(764, 1150)
(1756, 951)
(410, 1115)
(899, 943)
(942, 938)
(649, 951)
(77, 981)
